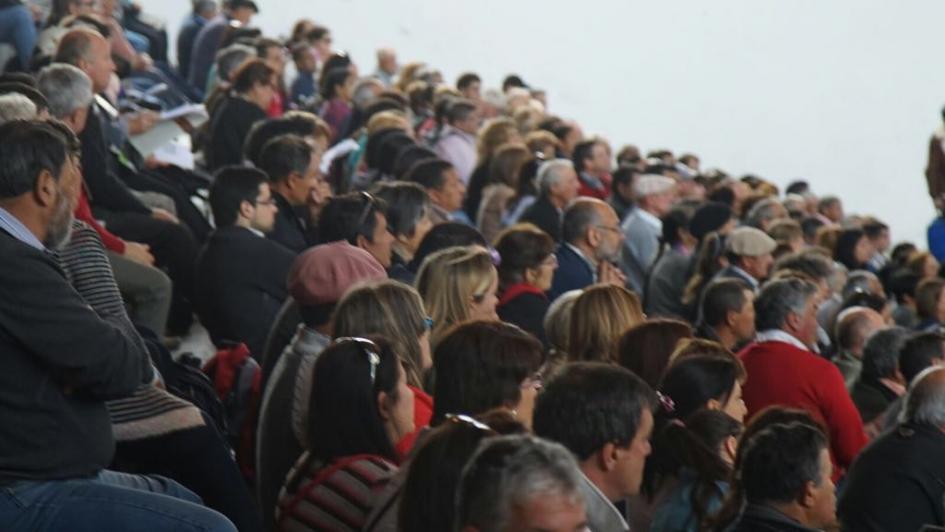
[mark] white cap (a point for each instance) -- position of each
(649, 184)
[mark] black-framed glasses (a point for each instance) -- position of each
(370, 201)
(463, 419)
(370, 349)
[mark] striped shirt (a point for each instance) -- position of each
(333, 498)
(149, 411)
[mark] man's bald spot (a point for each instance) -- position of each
(77, 45)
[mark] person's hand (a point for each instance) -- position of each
(152, 163)
(141, 122)
(607, 273)
(161, 214)
(142, 62)
(140, 253)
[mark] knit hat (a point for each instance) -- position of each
(649, 184)
(709, 217)
(324, 273)
(749, 242)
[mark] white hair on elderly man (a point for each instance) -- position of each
(15, 106)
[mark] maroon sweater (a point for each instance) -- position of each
(781, 374)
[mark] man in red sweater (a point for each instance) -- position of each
(782, 370)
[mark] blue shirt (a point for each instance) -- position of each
(12, 225)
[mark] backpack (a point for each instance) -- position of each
(237, 380)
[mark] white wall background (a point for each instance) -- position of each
(842, 93)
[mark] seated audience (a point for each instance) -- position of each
(253, 90)
(918, 353)
(902, 286)
(408, 220)
(443, 185)
(458, 284)
(854, 326)
(296, 184)
(446, 235)
(427, 501)
(783, 481)
(525, 272)
(520, 483)
(728, 313)
(361, 219)
(492, 134)
(457, 142)
(64, 362)
(483, 365)
(782, 370)
(604, 416)
(590, 247)
(557, 187)
(236, 14)
(854, 249)
(930, 304)
(599, 317)
(500, 189)
(646, 348)
(240, 273)
(666, 279)
(749, 256)
(643, 228)
(360, 407)
(593, 164)
(880, 381)
(700, 455)
(895, 482)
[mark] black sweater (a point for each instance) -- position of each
(60, 363)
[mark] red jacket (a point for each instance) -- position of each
(781, 374)
(84, 212)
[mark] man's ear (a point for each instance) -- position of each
(730, 318)
(246, 209)
(792, 322)
(45, 189)
(360, 241)
(807, 497)
(607, 457)
(383, 406)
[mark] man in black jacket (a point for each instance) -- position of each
(897, 483)
(61, 362)
(296, 185)
(241, 274)
(172, 244)
(558, 185)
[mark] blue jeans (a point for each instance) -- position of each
(108, 501)
(17, 28)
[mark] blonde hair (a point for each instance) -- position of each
(390, 309)
(493, 134)
(598, 318)
(407, 74)
(449, 280)
(387, 119)
(540, 140)
(507, 162)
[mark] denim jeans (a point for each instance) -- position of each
(17, 28)
(108, 501)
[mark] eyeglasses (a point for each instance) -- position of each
(370, 202)
(370, 348)
(463, 419)
(608, 228)
(268, 202)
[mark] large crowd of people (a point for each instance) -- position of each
(437, 306)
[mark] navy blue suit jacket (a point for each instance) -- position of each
(573, 272)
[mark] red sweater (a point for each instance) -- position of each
(781, 374)
(84, 212)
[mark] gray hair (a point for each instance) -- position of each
(363, 92)
(779, 298)
(65, 87)
(762, 212)
(925, 401)
(509, 470)
(15, 106)
(230, 58)
(550, 172)
(581, 214)
(859, 281)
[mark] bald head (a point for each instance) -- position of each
(87, 50)
(925, 402)
(854, 327)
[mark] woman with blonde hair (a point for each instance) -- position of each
(458, 284)
(503, 184)
(493, 134)
(599, 317)
(394, 311)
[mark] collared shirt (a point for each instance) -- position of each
(11, 224)
(579, 253)
(777, 335)
(748, 277)
(649, 218)
(602, 515)
(459, 149)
